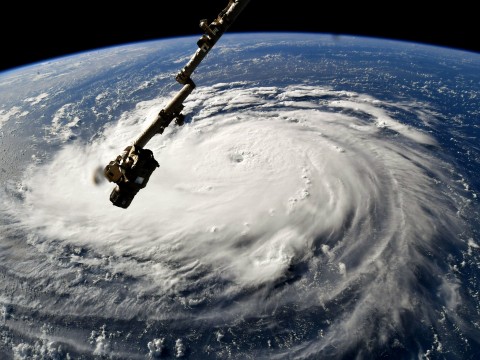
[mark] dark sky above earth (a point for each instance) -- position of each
(41, 31)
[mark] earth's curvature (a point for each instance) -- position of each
(320, 202)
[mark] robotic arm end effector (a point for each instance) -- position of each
(130, 171)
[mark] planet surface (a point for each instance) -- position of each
(321, 201)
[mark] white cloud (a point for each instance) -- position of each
(155, 348)
(37, 99)
(179, 348)
(5, 115)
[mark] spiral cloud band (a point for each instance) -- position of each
(297, 220)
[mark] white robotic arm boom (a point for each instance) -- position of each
(132, 169)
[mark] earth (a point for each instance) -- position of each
(321, 201)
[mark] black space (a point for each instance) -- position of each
(32, 33)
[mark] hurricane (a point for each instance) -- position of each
(287, 222)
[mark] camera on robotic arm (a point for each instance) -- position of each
(130, 171)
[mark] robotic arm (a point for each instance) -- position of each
(131, 170)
